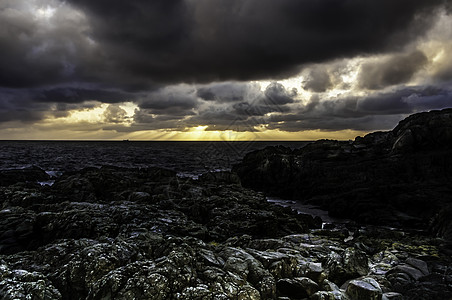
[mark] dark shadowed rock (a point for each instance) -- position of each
(350, 264)
(364, 289)
(442, 223)
(30, 174)
(398, 178)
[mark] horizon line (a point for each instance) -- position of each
(129, 140)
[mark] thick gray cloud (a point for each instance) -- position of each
(134, 43)
(394, 70)
(229, 91)
(36, 52)
(17, 105)
(115, 114)
(219, 106)
(79, 95)
(318, 80)
(277, 94)
(377, 111)
(176, 101)
(185, 62)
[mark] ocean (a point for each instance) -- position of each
(186, 158)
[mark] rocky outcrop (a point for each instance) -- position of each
(398, 178)
(116, 233)
(30, 174)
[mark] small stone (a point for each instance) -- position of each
(392, 296)
(410, 271)
(298, 287)
(365, 289)
(418, 264)
(139, 196)
(324, 295)
(237, 266)
(329, 286)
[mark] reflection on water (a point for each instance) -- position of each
(306, 209)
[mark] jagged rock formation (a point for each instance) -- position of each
(115, 233)
(397, 178)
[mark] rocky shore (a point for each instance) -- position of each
(400, 178)
(118, 233)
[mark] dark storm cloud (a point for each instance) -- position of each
(394, 70)
(379, 111)
(277, 94)
(216, 105)
(274, 99)
(318, 80)
(31, 105)
(34, 52)
(57, 56)
(16, 105)
(228, 91)
(258, 39)
(79, 95)
(364, 123)
(175, 100)
(256, 104)
(247, 109)
(224, 119)
(133, 43)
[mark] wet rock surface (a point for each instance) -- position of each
(399, 178)
(116, 233)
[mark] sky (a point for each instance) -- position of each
(220, 69)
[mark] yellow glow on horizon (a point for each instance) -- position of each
(79, 132)
(229, 135)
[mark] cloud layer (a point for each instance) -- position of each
(222, 64)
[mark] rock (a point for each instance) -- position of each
(323, 295)
(299, 287)
(258, 276)
(351, 264)
(364, 289)
(313, 271)
(383, 262)
(329, 286)
(392, 296)
(418, 264)
(30, 174)
(441, 225)
(208, 257)
(414, 280)
(139, 196)
(221, 177)
(413, 273)
(238, 266)
(104, 233)
(21, 284)
(399, 178)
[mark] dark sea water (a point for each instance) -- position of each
(186, 158)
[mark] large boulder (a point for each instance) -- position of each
(352, 263)
(364, 289)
